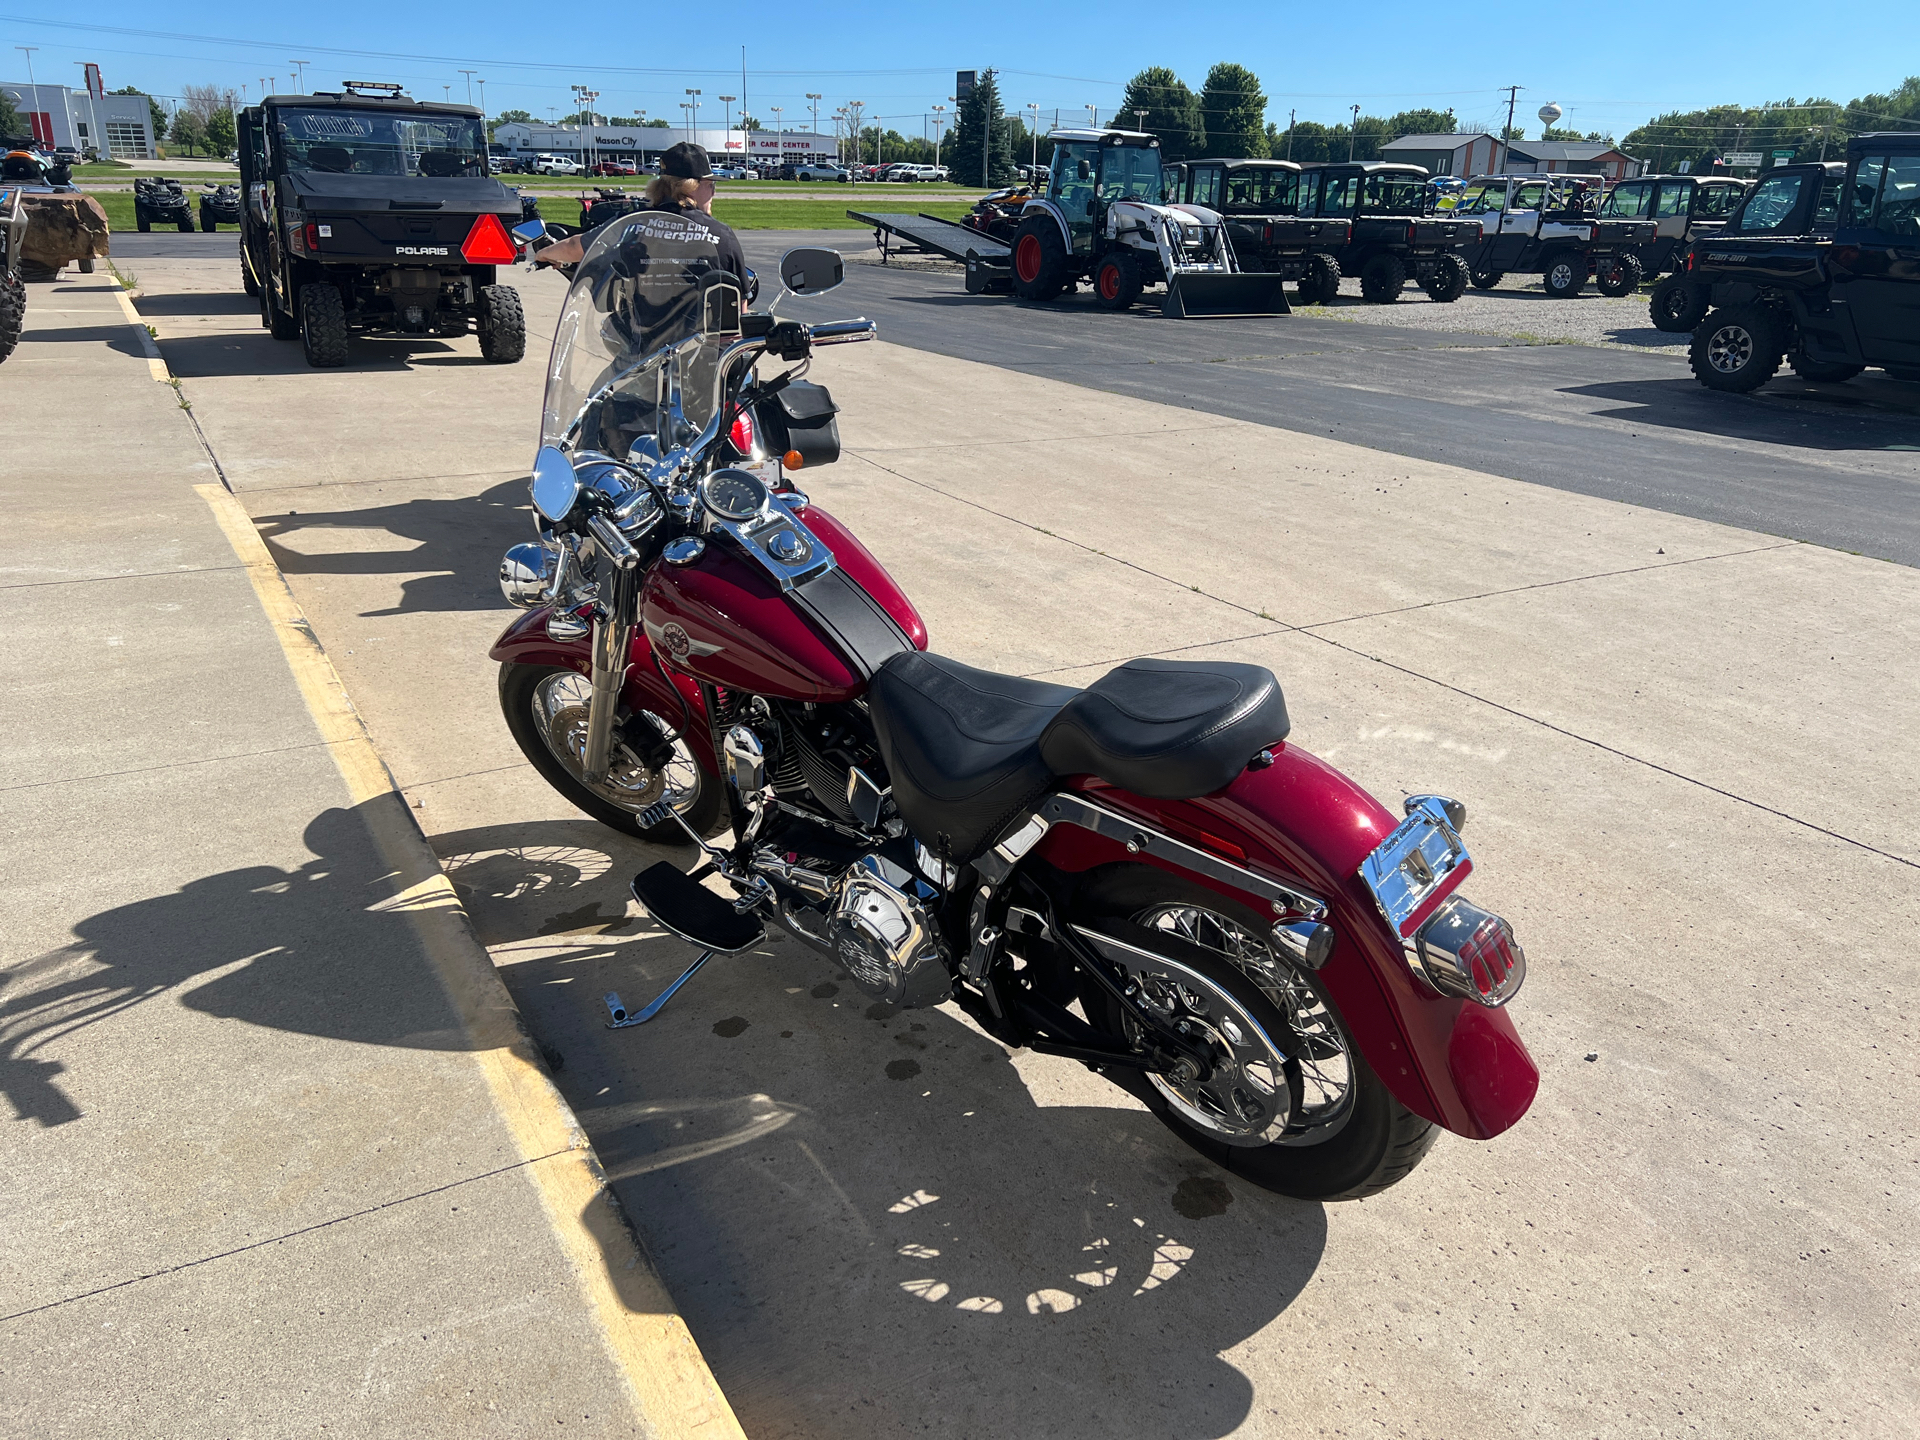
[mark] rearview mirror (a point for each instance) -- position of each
(1083, 170)
(555, 486)
(528, 231)
(811, 272)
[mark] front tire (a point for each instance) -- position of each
(1346, 1137)
(1821, 372)
(1623, 277)
(1321, 284)
(1039, 259)
(13, 312)
(503, 325)
(545, 710)
(1448, 282)
(323, 326)
(1383, 278)
(1563, 275)
(1736, 350)
(1116, 282)
(1487, 279)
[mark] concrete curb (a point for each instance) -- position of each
(673, 1392)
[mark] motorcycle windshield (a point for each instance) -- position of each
(639, 292)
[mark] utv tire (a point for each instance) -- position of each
(185, 224)
(208, 223)
(85, 264)
(278, 322)
(323, 326)
(1736, 350)
(1487, 279)
(1821, 372)
(1321, 284)
(13, 313)
(142, 223)
(1623, 277)
(1448, 282)
(1677, 305)
(1116, 282)
(518, 685)
(503, 325)
(1563, 275)
(1039, 259)
(1383, 278)
(1380, 1140)
(247, 282)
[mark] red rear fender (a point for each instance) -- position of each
(1302, 822)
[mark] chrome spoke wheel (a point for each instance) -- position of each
(1318, 1064)
(560, 708)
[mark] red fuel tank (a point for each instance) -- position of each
(723, 619)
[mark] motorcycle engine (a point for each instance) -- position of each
(884, 936)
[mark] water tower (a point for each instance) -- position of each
(1549, 113)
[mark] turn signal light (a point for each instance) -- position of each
(793, 460)
(1470, 954)
(487, 243)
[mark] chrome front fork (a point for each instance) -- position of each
(613, 624)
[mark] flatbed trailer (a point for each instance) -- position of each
(989, 261)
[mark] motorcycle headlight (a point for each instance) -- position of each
(526, 574)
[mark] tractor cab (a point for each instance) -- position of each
(1094, 168)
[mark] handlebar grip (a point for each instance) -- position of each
(842, 332)
(612, 543)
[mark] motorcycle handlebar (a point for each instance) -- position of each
(842, 332)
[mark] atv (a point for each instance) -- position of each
(1258, 200)
(1679, 301)
(1828, 302)
(158, 200)
(1103, 219)
(219, 205)
(1390, 236)
(371, 212)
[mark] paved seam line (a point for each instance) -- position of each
(278, 1239)
(132, 575)
(173, 765)
(672, 1391)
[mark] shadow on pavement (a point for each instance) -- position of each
(198, 302)
(870, 1225)
(239, 353)
(452, 568)
(1777, 414)
(115, 337)
(315, 950)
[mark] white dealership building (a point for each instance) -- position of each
(117, 125)
(643, 144)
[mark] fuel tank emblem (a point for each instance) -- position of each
(672, 637)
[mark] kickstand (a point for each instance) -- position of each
(621, 1019)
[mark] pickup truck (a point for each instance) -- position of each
(557, 165)
(1541, 225)
(1830, 305)
(1390, 237)
(820, 172)
(1258, 202)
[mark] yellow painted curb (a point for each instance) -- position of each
(673, 1392)
(156, 367)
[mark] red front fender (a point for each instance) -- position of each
(526, 642)
(1301, 821)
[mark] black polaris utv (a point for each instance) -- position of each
(1391, 238)
(1807, 205)
(160, 201)
(1830, 304)
(369, 211)
(219, 205)
(1259, 202)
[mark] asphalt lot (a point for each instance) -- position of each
(1678, 740)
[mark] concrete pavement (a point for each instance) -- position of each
(1683, 745)
(280, 1159)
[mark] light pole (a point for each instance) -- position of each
(854, 107)
(694, 124)
(1353, 132)
(300, 74)
(1034, 160)
(727, 121)
(470, 74)
(1093, 117)
(483, 101)
(939, 123)
(815, 100)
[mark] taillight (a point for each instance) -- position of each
(1410, 229)
(1266, 233)
(312, 236)
(1470, 954)
(1689, 260)
(742, 436)
(487, 243)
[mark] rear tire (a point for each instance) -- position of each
(1371, 1139)
(1821, 372)
(1039, 259)
(186, 224)
(85, 264)
(1563, 275)
(1677, 305)
(1487, 279)
(1448, 282)
(13, 312)
(280, 324)
(1116, 282)
(1383, 278)
(1623, 277)
(1321, 284)
(1736, 350)
(247, 282)
(503, 324)
(142, 223)
(323, 326)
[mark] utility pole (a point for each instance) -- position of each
(1034, 159)
(1506, 137)
(1353, 132)
(1290, 115)
(470, 74)
(483, 109)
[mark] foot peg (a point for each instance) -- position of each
(686, 908)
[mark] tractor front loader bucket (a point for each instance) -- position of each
(1198, 296)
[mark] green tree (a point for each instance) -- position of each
(1421, 122)
(1173, 112)
(980, 137)
(187, 131)
(12, 122)
(1554, 132)
(219, 131)
(1234, 111)
(513, 117)
(1308, 143)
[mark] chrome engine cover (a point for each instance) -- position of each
(885, 937)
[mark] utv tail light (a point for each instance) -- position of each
(311, 234)
(487, 243)
(1470, 954)
(741, 437)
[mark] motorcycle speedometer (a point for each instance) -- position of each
(733, 494)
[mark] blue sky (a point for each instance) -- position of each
(1609, 66)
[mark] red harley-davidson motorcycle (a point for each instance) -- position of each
(1142, 875)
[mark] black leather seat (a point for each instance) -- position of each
(967, 750)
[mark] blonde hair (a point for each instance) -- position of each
(676, 190)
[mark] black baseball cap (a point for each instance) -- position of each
(686, 160)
